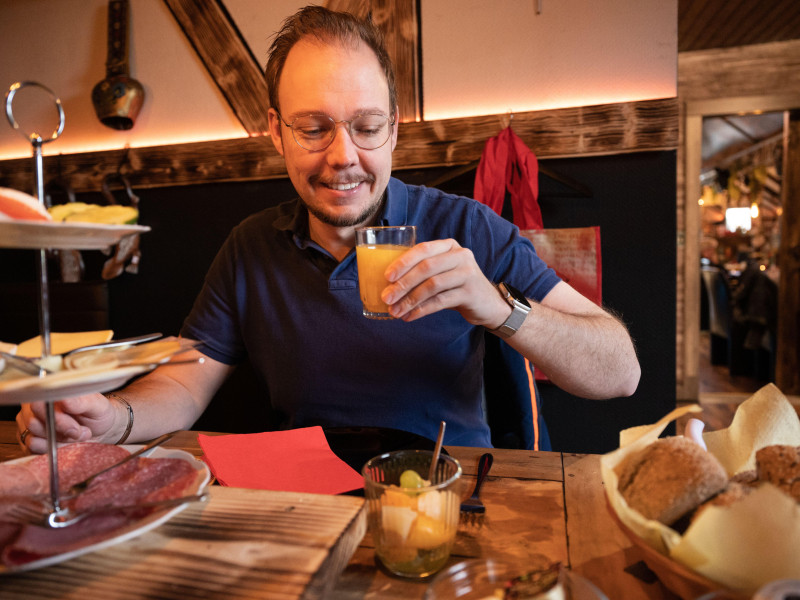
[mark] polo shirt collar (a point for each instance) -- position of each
(395, 209)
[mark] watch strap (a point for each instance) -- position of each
(519, 311)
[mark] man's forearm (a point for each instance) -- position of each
(158, 405)
(170, 398)
(588, 355)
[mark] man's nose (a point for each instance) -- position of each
(342, 150)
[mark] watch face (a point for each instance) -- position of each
(516, 294)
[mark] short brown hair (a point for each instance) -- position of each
(327, 26)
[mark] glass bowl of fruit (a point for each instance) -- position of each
(413, 520)
(535, 578)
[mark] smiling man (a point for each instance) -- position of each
(283, 290)
(326, 93)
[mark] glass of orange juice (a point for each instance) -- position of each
(376, 249)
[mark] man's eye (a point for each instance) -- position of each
(312, 132)
(368, 131)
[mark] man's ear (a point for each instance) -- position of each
(275, 130)
(395, 127)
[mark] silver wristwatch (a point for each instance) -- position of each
(520, 307)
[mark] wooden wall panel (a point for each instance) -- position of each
(762, 77)
(787, 368)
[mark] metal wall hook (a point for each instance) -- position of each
(133, 199)
(510, 115)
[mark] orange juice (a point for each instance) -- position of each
(372, 260)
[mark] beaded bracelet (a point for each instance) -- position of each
(130, 416)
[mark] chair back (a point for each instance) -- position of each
(719, 301)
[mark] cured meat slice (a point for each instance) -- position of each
(18, 480)
(147, 480)
(76, 462)
(137, 481)
(35, 542)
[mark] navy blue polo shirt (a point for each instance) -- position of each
(274, 297)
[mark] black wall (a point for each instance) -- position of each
(633, 202)
(632, 199)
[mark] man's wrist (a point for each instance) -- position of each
(519, 309)
(128, 410)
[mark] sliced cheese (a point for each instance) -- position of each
(64, 342)
(106, 215)
(60, 212)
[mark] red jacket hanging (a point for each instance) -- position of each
(507, 164)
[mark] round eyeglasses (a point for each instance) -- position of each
(316, 132)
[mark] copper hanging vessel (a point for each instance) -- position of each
(118, 98)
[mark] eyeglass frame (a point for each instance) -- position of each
(349, 122)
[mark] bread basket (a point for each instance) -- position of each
(728, 552)
(677, 578)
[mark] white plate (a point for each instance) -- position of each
(132, 530)
(66, 384)
(67, 236)
(154, 352)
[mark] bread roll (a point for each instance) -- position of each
(780, 466)
(670, 478)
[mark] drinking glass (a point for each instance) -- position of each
(376, 248)
(413, 528)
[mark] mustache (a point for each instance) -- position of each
(344, 180)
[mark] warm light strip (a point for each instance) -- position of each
(452, 113)
(493, 109)
(78, 147)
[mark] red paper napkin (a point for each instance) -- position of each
(297, 460)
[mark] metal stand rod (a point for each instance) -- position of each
(44, 287)
(44, 329)
(36, 141)
(52, 453)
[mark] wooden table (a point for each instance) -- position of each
(538, 504)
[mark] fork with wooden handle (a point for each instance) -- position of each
(473, 506)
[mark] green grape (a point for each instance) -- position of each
(411, 479)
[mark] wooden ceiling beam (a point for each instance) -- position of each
(227, 57)
(397, 20)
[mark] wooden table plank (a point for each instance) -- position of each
(598, 549)
(520, 464)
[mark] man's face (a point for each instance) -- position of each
(343, 184)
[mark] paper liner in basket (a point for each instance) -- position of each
(745, 545)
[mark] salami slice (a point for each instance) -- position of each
(137, 481)
(76, 462)
(147, 480)
(18, 480)
(35, 542)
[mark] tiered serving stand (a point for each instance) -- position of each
(44, 235)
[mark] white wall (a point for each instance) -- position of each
(505, 58)
(574, 53)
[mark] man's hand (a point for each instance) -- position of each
(78, 419)
(436, 275)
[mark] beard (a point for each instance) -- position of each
(365, 215)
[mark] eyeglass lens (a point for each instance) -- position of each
(316, 132)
